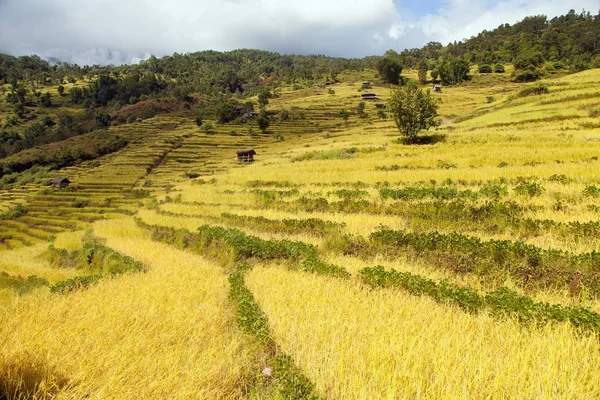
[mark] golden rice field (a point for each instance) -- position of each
(487, 238)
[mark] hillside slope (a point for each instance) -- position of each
(358, 266)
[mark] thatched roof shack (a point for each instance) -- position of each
(245, 155)
(60, 182)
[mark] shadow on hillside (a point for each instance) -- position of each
(423, 139)
(29, 378)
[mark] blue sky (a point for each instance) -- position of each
(125, 31)
(419, 8)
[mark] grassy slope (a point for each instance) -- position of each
(535, 138)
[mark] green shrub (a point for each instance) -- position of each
(20, 284)
(591, 191)
(527, 75)
(192, 174)
(534, 90)
(529, 189)
(559, 178)
(500, 302)
(96, 260)
(13, 213)
(493, 190)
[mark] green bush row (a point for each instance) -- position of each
(500, 302)
(241, 245)
(73, 284)
(490, 216)
(417, 193)
(528, 264)
(279, 184)
(268, 196)
(349, 193)
(316, 265)
(490, 190)
(250, 317)
(312, 226)
(13, 213)
(291, 382)
(96, 260)
(21, 284)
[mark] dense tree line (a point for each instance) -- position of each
(535, 45)
(220, 81)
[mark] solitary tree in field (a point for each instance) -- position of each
(413, 110)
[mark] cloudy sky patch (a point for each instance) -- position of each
(125, 31)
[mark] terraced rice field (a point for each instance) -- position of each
(342, 264)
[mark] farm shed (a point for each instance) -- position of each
(368, 96)
(437, 88)
(60, 182)
(245, 155)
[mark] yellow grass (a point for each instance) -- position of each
(355, 343)
(69, 240)
(168, 333)
(31, 260)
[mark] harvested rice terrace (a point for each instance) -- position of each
(341, 258)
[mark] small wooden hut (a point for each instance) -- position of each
(245, 155)
(60, 182)
(368, 96)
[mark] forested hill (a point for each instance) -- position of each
(201, 72)
(42, 103)
(573, 39)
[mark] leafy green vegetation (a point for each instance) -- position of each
(500, 302)
(20, 284)
(70, 152)
(312, 226)
(291, 382)
(530, 266)
(95, 260)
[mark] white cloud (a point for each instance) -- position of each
(136, 27)
(396, 31)
(117, 31)
(461, 19)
